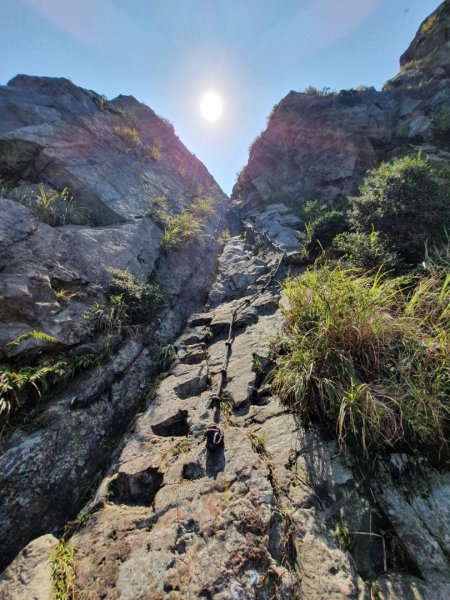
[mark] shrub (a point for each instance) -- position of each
(202, 206)
(128, 303)
(323, 229)
(313, 91)
(407, 201)
(366, 251)
(181, 230)
(224, 237)
(368, 357)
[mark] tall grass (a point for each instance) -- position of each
(369, 357)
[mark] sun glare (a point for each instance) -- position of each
(211, 106)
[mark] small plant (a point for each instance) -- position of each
(202, 207)
(258, 442)
(375, 591)
(160, 201)
(20, 386)
(155, 151)
(224, 237)
(50, 206)
(165, 356)
(63, 295)
(181, 447)
(36, 335)
(181, 230)
(257, 365)
(429, 24)
(130, 134)
(62, 562)
(313, 91)
(128, 302)
(102, 102)
(410, 64)
(344, 536)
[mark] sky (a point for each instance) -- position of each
(169, 53)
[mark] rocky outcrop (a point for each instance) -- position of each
(121, 165)
(272, 511)
(319, 145)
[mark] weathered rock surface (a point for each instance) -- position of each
(116, 159)
(319, 146)
(29, 576)
(262, 515)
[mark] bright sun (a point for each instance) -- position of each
(211, 106)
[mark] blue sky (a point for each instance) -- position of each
(168, 53)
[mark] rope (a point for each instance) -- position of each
(215, 397)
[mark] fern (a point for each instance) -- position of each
(36, 335)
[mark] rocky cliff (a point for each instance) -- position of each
(319, 144)
(85, 183)
(216, 490)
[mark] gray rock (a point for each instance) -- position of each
(29, 576)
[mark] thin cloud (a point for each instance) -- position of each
(99, 24)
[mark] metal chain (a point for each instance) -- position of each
(215, 397)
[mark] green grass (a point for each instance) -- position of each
(50, 206)
(181, 230)
(63, 574)
(368, 357)
(128, 303)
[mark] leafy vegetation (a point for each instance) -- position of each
(18, 387)
(323, 229)
(224, 237)
(368, 357)
(128, 303)
(181, 230)
(409, 194)
(50, 206)
(24, 387)
(366, 251)
(313, 91)
(202, 206)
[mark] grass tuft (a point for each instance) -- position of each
(63, 575)
(369, 357)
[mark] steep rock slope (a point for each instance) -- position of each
(117, 160)
(259, 516)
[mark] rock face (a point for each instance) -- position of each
(208, 495)
(320, 145)
(117, 160)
